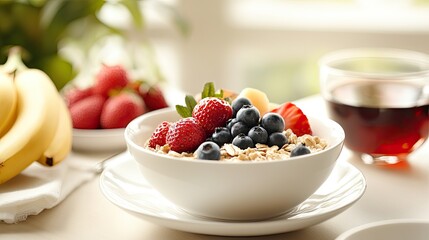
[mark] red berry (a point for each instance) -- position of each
(110, 78)
(294, 118)
(159, 135)
(119, 110)
(185, 135)
(153, 98)
(86, 113)
(74, 95)
(211, 113)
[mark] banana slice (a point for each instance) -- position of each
(258, 99)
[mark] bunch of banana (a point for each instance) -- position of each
(35, 124)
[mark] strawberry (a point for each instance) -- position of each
(110, 78)
(153, 98)
(185, 135)
(159, 135)
(86, 113)
(294, 118)
(74, 95)
(212, 112)
(120, 109)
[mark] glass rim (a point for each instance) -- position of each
(343, 55)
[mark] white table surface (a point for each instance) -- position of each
(86, 214)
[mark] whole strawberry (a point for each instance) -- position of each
(110, 78)
(185, 135)
(153, 98)
(212, 112)
(159, 135)
(74, 95)
(86, 113)
(119, 110)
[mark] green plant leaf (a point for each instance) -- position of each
(183, 111)
(134, 9)
(208, 90)
(190, 102)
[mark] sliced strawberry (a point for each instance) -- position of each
(159, 135)
(294, 118)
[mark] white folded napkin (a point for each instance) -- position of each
(38, 188)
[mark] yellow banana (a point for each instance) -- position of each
(61, 144)
(8, 100)
(35, 125)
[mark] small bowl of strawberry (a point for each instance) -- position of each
(233, 160)
(101, 112)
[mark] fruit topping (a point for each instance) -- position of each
(258, 134)
(119, 110)
(215, 127)
(249, 115)
(208, 151)
(243, 141)
(238, 103)
(221, 136)
(239, 127)
(294, 118)
(211, 113)
(185, 135)
(278, 139)
(273, 122)
(258, 99)
(299, 150)
(158, 137)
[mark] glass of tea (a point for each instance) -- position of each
(381, 99)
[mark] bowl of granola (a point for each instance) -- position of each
(241, 186)
(244, 159)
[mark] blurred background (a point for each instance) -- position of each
(272, 45)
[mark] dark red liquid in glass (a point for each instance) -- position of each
(381, 119)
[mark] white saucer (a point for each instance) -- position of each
(122, 183)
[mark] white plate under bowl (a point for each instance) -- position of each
(97, 140)
(394, 229)
(123, 184)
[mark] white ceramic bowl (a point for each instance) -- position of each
(396, 229)
(233, 190)
(97, 140)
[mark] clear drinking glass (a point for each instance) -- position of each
(381, 99)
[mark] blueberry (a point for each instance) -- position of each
(299, 150)
(221, 136)
(248, 115)
(273, 122)
(278, 139)
(258, 134)
(243, 141)
(231, 122)
(208, 151)
(238, 128)
(238, 103)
